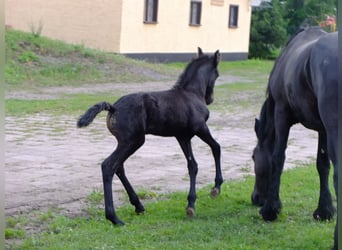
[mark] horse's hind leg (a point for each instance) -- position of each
(193, 169)
(133, 197)
(325, 209)
(110, 166)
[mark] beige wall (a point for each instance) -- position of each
(117, 25)
(172, 33)
(89, 22)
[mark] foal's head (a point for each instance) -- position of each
(200, 75)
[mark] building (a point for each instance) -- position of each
(160, 30)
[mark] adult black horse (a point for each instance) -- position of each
(302, 88)
(180, 112)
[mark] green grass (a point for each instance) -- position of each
(247, 68)
(39, 61)
(69, 104)
(228, 222)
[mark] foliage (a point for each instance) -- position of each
(228, 222)
(272, 23)
(303, 13)
(267, 30)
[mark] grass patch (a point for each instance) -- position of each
(228, 222)
(247, 68)
(70, 104)
(35, 60)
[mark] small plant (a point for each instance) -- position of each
(36, 32)
(14, 227)
(28, 57)
(146, 194)
(95, 197)
(46, 216)
(13, 233)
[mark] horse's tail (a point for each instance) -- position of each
(92, 112)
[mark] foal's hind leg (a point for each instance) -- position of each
(110, 166)
(133, 197)
(325, 209)
(193, 169)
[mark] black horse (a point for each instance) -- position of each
(180, 112)
(302, 88)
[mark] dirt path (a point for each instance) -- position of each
(51, 163)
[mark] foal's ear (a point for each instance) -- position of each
(217, 58)
(200, 52)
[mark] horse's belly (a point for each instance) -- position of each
(306, 113)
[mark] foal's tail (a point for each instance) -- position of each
(92, 112)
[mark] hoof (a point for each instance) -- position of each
(190, 212)
(269, 214)
(115, 220)
(214, 192)
(139, 209)
(118, 222)
(270, 210)
(324, 214)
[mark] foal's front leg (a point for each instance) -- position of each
(185, 144)
(206, 136)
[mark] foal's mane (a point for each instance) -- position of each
(190, 71)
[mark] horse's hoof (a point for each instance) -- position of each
(118, 222)
(324, 214)
(214, 192)
(268, 215)
(115, 220)
(190, 212)
(139, 209)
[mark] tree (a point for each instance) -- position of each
(307, 13)
(268, 30)
(295, 15)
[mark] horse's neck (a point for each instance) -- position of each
(267, 122)
(196, 86)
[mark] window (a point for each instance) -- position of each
(151, 11)
(195, 13)
(233, 16)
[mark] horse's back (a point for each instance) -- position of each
(290, 67)
(298, 77)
